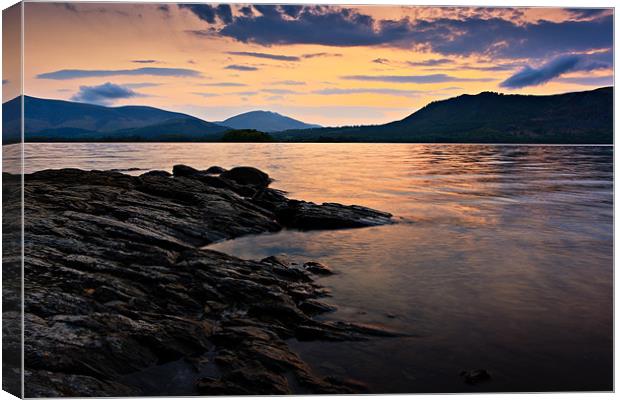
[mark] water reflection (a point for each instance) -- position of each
(504, 261)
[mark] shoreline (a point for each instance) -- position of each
(117, 283)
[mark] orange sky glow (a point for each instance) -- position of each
(327, 65)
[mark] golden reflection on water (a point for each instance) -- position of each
(502, 260)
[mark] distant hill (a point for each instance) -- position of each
(265, 121)
(59, 120)
(579, 117)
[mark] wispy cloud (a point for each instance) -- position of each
(224, 84)
(264, 55)
(205, 94)
(430, 63)
(381, 61)
(434, 78)
(141, 85)
(316, 55)
(144, 61)
(104, 94)
(607, 80)
(280, 91)
(288, 83)
(64, 74)
(532, 76)
(237, 67)
(386, 91)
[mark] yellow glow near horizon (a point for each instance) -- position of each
(91, 36)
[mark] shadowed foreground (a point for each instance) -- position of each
(118, 289)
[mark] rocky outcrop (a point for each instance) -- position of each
(116, 284)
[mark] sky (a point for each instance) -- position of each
(329, 65)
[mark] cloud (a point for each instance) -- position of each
(381, 61)
(531, 76)
(205, 94)
(434, 78)
(280, 91)
(103, 94)
(430, 63)
(237, 67)
(83, 73)
(461, 35)
(315, 55)
(264, 55)
(209, 13)
(141, 85)
(586, 13)
(224, 84)
(288, 83)
(607, 80)
(387, 91)
(144, 61)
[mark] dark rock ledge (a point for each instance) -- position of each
(116, 284)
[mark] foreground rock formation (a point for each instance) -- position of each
(118, 290)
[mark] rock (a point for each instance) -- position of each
(184, 170)
(317, 268)
(116, 283)
(156, 173)
(308, 216)
(475, 376)
(215, 170)
(247, 176)
(312, 306)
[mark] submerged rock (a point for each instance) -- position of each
(116, 283)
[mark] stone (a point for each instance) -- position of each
(317, 268)
(215, 170)
(247, 176)
(116, 283)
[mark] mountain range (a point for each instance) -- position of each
(488, 117)
(59, 120)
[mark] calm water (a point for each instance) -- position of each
(503, 258)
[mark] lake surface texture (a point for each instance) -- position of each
(502, 258)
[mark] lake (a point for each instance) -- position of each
(502, 258)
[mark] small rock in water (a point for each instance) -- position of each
(475, 376)
(318, 268)
(215, 170)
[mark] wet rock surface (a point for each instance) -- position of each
(116, 284)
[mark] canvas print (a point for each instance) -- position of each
(255, 199)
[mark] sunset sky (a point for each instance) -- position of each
(328, 65)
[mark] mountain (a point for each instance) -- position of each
(265, 121)
(59, 120)
(579, 117)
